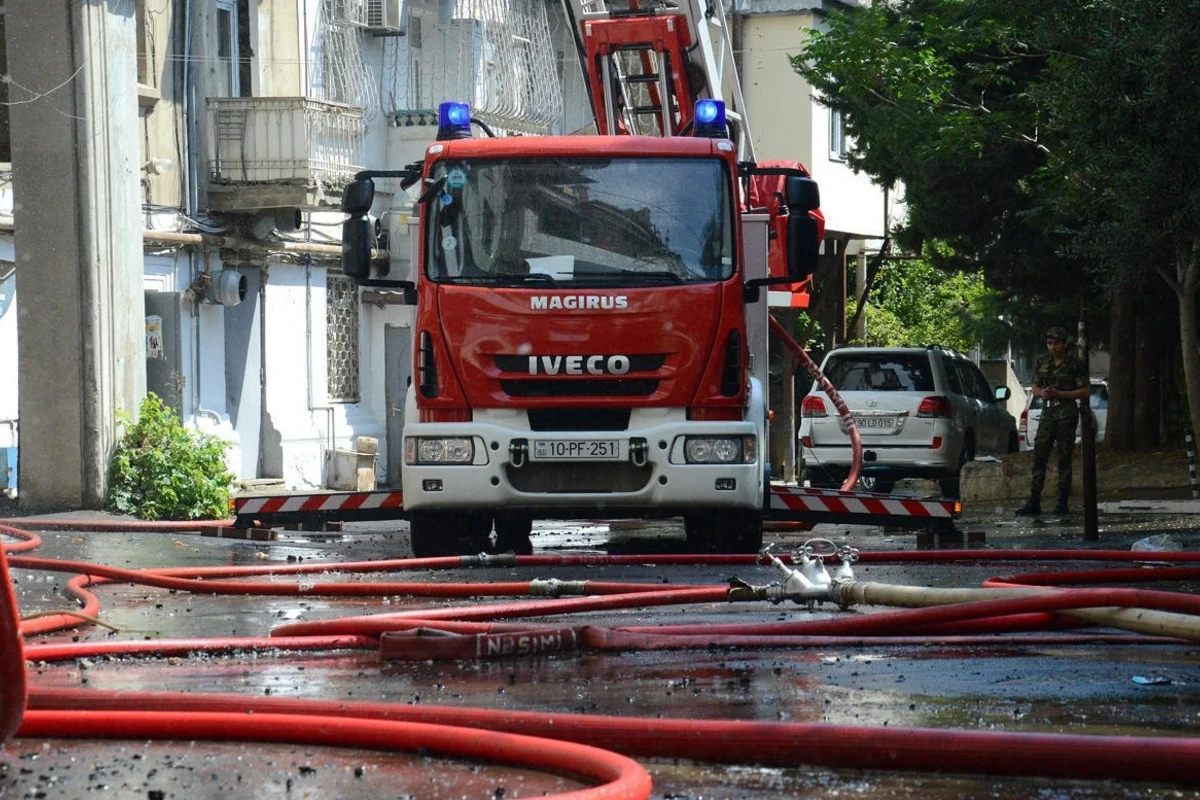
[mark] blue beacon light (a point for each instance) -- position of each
(710, 119)
(454, 121)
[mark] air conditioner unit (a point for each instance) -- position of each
(387, 17)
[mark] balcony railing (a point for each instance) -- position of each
(280, 152)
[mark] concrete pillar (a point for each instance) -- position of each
(76, 170)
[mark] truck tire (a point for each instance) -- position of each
(448, 533)
(725, 531)
(512, 533)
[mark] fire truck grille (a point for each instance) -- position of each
(564, 478)
(575, 387)
(530, 365)
(579, 419)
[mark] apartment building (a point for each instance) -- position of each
(242, 120)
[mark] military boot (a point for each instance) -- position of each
(1032, 508)
(1061, 506)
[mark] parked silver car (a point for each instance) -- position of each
(1097, 402)
(922, 412)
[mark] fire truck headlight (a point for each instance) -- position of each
(456, 450)
(719, 449)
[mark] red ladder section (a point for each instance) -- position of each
(638, 75)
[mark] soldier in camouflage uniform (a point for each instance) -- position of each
(1061, 380)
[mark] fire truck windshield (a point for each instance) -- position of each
(582, 221)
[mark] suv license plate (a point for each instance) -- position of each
(875, 423)
(576, 450)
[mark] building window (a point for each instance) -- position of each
(341, 339)
(838, 146)
(227, 39)
(145, 74)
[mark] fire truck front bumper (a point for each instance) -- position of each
(671, 463)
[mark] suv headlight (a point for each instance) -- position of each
(719, 449)
(448, 450)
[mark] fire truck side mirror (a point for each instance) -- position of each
(803, 244)
(803, 194)
(358, 196)
(803, 233)
(358, 237)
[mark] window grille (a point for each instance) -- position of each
(341, 339)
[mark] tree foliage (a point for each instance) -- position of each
(935, 94)
(163, 470)
(1048, 144)
(913, 303)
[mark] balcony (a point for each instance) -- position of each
(281, 152)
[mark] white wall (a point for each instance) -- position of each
(788, 124)
(300, 423)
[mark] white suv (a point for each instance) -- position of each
(922, 412)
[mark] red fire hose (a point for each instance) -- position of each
(619, 776)
(843, 411)
(1090, 757)
(1176, 759)
(12, 659)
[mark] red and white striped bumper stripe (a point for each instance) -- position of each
(282, 504)
(832, 501)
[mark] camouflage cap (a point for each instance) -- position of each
(1057, 333)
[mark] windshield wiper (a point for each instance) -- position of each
(647, 276)
(521, 280)
(501, 280)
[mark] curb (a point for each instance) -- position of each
(1117, 475)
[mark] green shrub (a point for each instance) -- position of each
(162, 470)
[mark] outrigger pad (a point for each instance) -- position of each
(12, 657)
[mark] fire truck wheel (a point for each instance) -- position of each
(448, 533)
(737, 531)
(512, 533)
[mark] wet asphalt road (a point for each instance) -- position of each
(1011, 686)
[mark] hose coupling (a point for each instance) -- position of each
(845, 572)
(808, 584)
(553, 587)
(489, 560)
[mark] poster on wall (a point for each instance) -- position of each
(154, 337)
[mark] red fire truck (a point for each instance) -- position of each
(591, 315)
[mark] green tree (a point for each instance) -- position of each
(163, 470)
(935, 94)
(914, 303)
(1046, 144)
(1125, 106)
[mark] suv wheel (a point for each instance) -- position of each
(821, 478)
(952, 487)
(873, 484)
